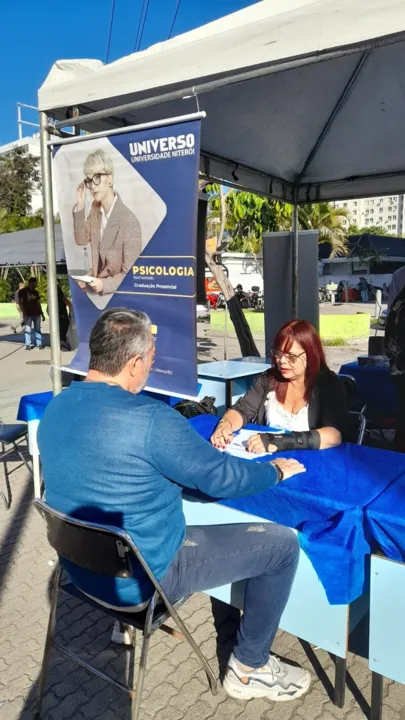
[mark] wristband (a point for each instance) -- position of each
(225, 420)
(280, 474)
(310, 440)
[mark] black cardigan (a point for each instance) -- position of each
(327, 407)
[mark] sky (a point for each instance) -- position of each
(35, 33)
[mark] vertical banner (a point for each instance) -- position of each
(128, 209)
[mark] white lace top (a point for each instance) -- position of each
(279, 418)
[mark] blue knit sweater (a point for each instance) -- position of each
(120, 459)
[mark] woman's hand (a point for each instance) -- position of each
(80, 196)
(289, 467)
(96, 285)
(222, 435)
(255, 445)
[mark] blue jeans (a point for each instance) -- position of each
(29, 324)
(266, 555)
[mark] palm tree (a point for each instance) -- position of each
(331, 223)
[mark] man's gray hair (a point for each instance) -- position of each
(118, 335)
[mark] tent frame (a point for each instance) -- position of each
(295, 192)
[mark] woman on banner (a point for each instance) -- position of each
(299, 394)
(111, 228)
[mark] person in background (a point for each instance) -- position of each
(299, 395)
(364, 288)
(30, 306)
(395, 351)
(397, 283)
(97, 468)
(64, 310)
(20, 326)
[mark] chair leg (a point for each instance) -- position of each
(136, 701)
(48, 642)
(340, 682)
(17, 449)
(376, 696)
(180, 624)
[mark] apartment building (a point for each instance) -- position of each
(386, 212)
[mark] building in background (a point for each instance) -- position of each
(386, 212)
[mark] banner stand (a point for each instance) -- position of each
(155, 173)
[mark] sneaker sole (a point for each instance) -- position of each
(243, 693)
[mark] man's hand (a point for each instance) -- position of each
(255, 445)
(289, 467)
(43, 317)
(222, 435)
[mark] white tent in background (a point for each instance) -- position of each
(304, 101)
(300, 95)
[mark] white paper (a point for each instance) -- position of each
(239, 444)
(83, 278)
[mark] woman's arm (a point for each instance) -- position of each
(240, 415)
(81, 228)
(223, 433)
(330, 437)
(131, 250)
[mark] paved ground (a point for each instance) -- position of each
(175, 686)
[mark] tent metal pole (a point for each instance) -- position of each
(295, 259)
(50, 255)
(127, 129)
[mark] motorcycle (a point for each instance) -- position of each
(254, 296)
(243, 298)
(221, 303)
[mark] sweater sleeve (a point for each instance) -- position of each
(248, 405)
(334, 404)
(179, 453)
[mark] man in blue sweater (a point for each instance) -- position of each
(112, 456)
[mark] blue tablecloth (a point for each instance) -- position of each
(376, 388)
(32, 407)
(327, 505)
(386, 518)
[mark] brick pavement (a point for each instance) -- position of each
(175, 687)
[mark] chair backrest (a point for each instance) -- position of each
(101, 549)
(356, 428)
(352, 390)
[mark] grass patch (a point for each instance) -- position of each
(334, 342)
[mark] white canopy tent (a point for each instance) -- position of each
(299, 94)
(304, 99)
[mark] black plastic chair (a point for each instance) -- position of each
(357, 419)
(108, 551)
(9, 437)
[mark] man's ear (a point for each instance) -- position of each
(133, 365)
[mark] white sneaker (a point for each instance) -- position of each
(122, 634)
(276, 681)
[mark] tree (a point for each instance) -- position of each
(11, 222)
(216, 223)
(329, 221)
(19, 178)
(372, 230)
(250, 215)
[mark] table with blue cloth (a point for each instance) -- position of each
(327, 506)
(30, 410)
(385, 521)
(377, 390)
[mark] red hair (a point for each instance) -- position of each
(304, 334)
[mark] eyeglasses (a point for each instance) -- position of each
(290, 357)
(95, 180)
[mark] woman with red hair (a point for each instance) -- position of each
(299, 395)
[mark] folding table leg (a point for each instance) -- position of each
(376, 696)
(340, 682)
